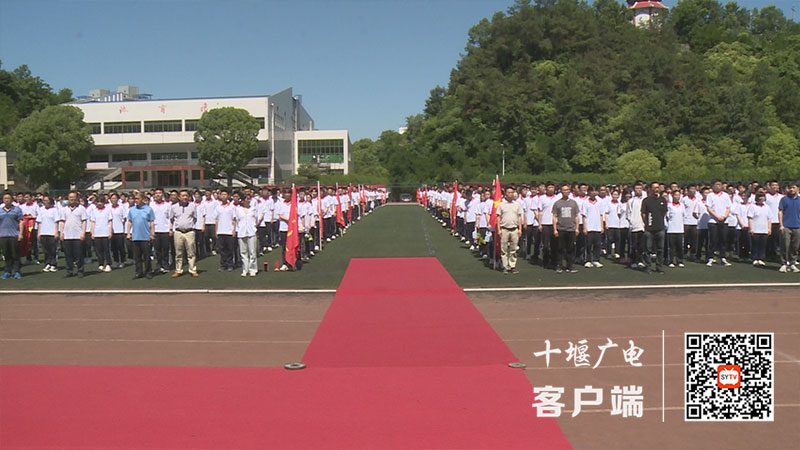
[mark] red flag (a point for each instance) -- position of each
(363, 195)
(498, 196)
(319, 213)
(349, 203)
(339, 216)
(453, 206)
(292, 236)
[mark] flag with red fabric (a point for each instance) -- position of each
(28, 223)
(453, 206)
(349, 203)
(292, 236)
(498, 196)
(339, 215)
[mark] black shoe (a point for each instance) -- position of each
(148, 275)
(69, 275)
(660, 271)
(137, 276)
(514, 271)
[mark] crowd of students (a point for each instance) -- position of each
(559, 226)
(160, 232)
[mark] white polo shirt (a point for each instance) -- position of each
(675, 214)
(47, 218)
(200, 210)
(224, 214)
(118, 216)
(210, 209)
(592, 212)
(689, 207)
(161, 211)
(612, 214)
(101, 218)
(772, 201)
(73, 219)
(718, 202)
(760, 217)
(531, 206)
(702, 215)
(546, 207)
(282, 209)
(245, 221)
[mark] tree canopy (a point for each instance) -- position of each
(226, 140)
(52, 145)
(566, 86)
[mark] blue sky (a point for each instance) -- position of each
(362, 65)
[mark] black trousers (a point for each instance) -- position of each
(689, 239)
(73, 254)
(49, 246)
(532, 241)
(593, 245)
(759, 246)
(549, 247)
(225, 242)
(675, 247)
(263, 237)
(702, 243)
(210, 238)
(199, 245)
(566, 249)
(655, 244)
(637, 246)
(580, 246)
(774, 242)
(483, 248)
(10, 248)
(118, 247)
(718, 235)
(161, 245)
(34, 251)
(141, 256)
(86, 246)
(744, 243)
(102, 250)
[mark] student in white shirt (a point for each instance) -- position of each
(47, 220)
(742, 241)
(282, 211)
(634, 215)
(161, 245)
(690, 200)
(30, 208)
(593, 212)
(719, 204)
(758, 217)
(199, 226)
(118, 216)
(772, 200)
(472, 206)
(247, 218)
(676, 212)
(101, 232)
(532, 235)
(72, 233)
(225, 230)
(702, 215)
(210, 204)
(546, 231)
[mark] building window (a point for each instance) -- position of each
(261, 123)
(195, 155)
(131, 176)
(320, 151)
(162, 126)
(167, 156)
(117, 157)
(195, 174)
(96, 128)
(122, 127)
(191, 124)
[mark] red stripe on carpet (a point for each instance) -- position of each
(412, 365)
(403, 312)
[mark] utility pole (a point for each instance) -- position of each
(503, 169)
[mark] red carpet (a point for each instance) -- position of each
(410, 365)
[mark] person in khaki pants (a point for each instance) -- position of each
(509, 222)
(182, 217)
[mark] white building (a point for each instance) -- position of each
(645, 12)
(145, 142)
(5, 183)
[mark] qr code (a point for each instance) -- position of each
(729, 376)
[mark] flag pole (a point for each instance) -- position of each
(319, 215)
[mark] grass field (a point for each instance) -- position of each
(394, 231)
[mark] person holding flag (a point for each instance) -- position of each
(289, 231)
(509, 226)
(495, 247)
(453, 208)
(349, 204)
(339, 215)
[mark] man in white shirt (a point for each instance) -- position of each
(30, 209)
(772, 199)
(546, 231)
(224, 226)
(199, 226)
(719, 206)
(72, 233)
(101, 232)
(675, 229)
(161, 245)
(210, 235)
(47, 220)
(634, 215)
(593, 212)
(689, 202)
(282, 211)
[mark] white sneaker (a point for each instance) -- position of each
(107, 268)
(755, 262)
(316, 248)
(794, 268)
(328, 240)
(269, 248)
(46, 268)
(311, 253)
(681, 265)
(284, 268)
(53, 269)
(252, 274)
(710, 262)
(588, 265)
(641, 265)
(616, 256)
(244, 274)
(725, 262)
(761, 262)
(597, 264)
(472, 247)
(671, 266)
(782, 269)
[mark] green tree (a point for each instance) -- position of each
(309, 171)
(686, 163)
(226, 140)
(729, 158)
(780, 157)
(365, 158)
(638, 165)
(52, 145)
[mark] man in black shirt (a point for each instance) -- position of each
(654, 210)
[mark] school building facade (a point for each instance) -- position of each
(142, 142)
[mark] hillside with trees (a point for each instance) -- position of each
(570, 89)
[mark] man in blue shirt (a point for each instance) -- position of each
(10, 236)
(141, 231)
(789, 218)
